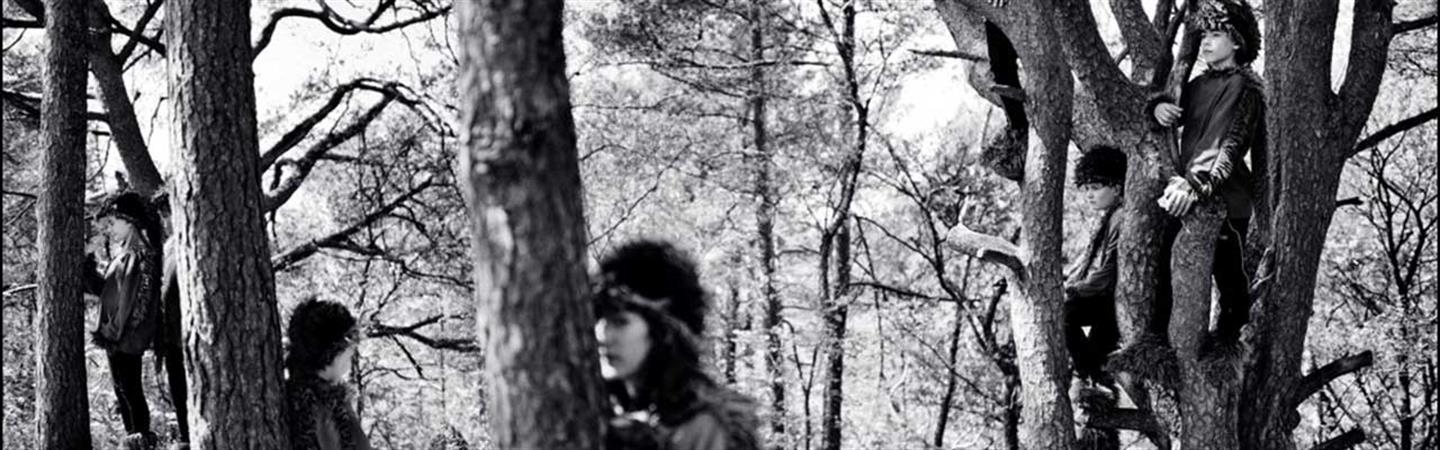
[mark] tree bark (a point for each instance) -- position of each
(765, 225)
(231, 324)
(62, 406)
(522, 187)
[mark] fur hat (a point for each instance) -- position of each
(319, 330)
(1235, 17)
(129, 206)
(652, 275)
(1102, 165)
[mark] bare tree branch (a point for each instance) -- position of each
(29, 105)
(463, 345)
(897, 291)
(339, 24)
(1407, 26)
(138, 35)
(1393, 129)
(1318, 378)
(988, 248)
(288, 259)
(1345, 441)
(21, 23)
(951, 54)
(302, 166)
(1141, 38)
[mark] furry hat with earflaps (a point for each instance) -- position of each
(1102, 165)
(1235, 17)
(319, 330)
(652, 275)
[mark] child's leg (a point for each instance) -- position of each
(125, 374)
(175, 369)
(1084, 354)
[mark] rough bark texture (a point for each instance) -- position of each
(1045, 418)
(522, 187)
(1208, 388)
(1311, 129)
(62, 408)
(231, 325)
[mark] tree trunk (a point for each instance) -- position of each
(522, 187)
(62, 406)
(1208, 382)
(231, 324)
(730, 346)
(1311, 129)
(836, 314)
(765, 226)
(119, 111)
(1035, 313)
(952, 380)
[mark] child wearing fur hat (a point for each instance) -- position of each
(129, 307)
(650, 318)
(1090, 282)
(1221, 113)
(322, 337)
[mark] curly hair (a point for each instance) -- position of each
(1101, 166)
(658, 270)
(319, 331)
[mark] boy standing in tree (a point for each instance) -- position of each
(1090, 282)
(1221, 113)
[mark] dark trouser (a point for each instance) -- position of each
(1088, 352)
(1228, 270)
(125, 375)
(175, 370)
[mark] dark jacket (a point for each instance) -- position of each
(1224, 118)
(1094, 276)
(129, 306)
(719, 419)
(321, 417)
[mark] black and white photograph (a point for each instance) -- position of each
(720, 224)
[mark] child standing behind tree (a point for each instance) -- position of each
(1221, 113)
(1090, 283)
(129, 308)
(322, 345)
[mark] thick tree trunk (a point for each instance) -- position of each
(62, 408)
(1046, 421)
(231, 324)
(521, 174)
(1311, 129)
(1208, 385)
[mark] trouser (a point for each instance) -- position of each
(125, 375)
(1088, 353)
(175, 371)
(1228, 270)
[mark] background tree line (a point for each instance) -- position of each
(812, 155)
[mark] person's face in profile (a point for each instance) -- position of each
(1102, 197)
(625, 341)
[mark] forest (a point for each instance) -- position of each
(883, 248)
